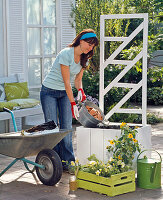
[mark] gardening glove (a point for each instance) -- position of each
(74, 110)
(81, 95)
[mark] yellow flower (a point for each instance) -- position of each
(105, 169)
(97, 172)
(72, 163)
(111, 142)
(134, 140)
(76, 161)
(122, 164)
(123, 124)
(109, 166)
(119, 157)
(119, 162)
(111, 159)
(130, 135)
(136, 127)
(92, 162)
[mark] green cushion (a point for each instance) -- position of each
(2, 92)
(25, 103)
(16, 90)
(9, 105)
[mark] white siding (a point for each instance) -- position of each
(67, 32)
(15, 36)
(1, 41)
(14, 42)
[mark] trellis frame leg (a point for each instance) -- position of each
(144, 73)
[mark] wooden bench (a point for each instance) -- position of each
(20, 113)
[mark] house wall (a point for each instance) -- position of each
(2, 123)
(13, 41)
(14, 34)
(1, 42)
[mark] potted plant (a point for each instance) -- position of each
(116, 175)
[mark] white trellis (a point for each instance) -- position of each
(129, 64)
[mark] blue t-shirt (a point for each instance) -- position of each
(54, 78)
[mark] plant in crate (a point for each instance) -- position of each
(125, 147)
(116, 176)
(123, 150)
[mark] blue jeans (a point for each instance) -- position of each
(56, 106)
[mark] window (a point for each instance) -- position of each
(41, 40)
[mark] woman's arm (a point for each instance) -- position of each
(65, 70)
(78, 79)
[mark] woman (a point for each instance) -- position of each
(56, 93)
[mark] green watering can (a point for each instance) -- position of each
(149, 172)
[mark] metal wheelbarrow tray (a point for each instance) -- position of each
(17, 146)
(48, 164)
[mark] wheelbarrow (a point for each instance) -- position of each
(48, 164)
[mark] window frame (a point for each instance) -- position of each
(42, 56)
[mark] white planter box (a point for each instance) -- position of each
(95, 140)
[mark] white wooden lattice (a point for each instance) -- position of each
(129, 64)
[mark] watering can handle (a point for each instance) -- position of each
(153, 173)
(149, 150)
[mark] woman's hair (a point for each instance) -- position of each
(93, 40)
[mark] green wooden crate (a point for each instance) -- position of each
(112, 186)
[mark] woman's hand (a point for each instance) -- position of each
(81, 95)
(74, 110)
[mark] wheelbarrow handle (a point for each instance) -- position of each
(13, 118)
(6, 109)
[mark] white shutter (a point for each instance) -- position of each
(67, 32)
(15, 44)
(15, 36)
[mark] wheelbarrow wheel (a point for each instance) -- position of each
(53, 167)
